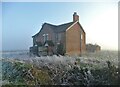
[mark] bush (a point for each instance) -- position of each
(60, 49)
(24, 74)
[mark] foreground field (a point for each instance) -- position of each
(90, 69)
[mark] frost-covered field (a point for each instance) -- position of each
(98, 59)
(92, 68)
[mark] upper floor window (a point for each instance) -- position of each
(81, 36)
(45, 37)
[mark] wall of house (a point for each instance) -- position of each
(83, 45)
(46, 30)
(73, 44)
(60, 38)
(73, 40)
(34, 41)
(63, 38)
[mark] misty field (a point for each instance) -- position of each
(101, 68)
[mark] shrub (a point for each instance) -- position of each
(60, 49)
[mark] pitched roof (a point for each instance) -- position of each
(63, 27)
(49, 25)
(57, 28)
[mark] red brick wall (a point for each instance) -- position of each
(73, 40)
(46, 30)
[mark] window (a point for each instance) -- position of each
(45, 37)
(81, 36)
(59, 36)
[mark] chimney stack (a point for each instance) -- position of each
(75, 17)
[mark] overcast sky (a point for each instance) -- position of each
(21, 20)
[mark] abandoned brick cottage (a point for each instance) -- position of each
(68, 38)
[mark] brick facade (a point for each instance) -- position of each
(71, 35)
(46, 30)
(75, 40)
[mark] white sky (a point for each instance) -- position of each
(102, 24)
(104, 29)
